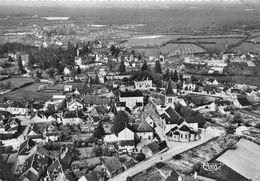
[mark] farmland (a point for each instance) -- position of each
(30, 91)
(17, 82)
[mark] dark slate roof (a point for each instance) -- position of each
(173, 177)
(112, 164)
(173, 117)
(154, 147)
(131, 94)
(127, 143)
(171, 131)
(54, 170)
(96, 100)
(101, 109)
(243, 101)
(163, 145)
(92, 176)
(184, 128)
(26, 146)
(129, 163)
(4, 105)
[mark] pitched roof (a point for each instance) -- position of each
(144, 127)
(96, 100)
(154, 147)
(92, 176)
(184, 128)
(101, 109)
(26, 146)
(173, 177)
(112, 164)
(243, 101)
(54, 170)
(131, 94)
(171, 116)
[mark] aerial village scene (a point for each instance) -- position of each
(158, 91)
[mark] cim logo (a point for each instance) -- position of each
(211, 166)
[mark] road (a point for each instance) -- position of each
(179, 148)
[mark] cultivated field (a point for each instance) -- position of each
(248, 163)
(29, 92)
(17, 82)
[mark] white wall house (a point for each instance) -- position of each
(126, 140)
(74, 105)
(132, 99)
(143, 85)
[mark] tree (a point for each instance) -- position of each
(38, 74)
(105, 79)
(31, 60)
(237, 118)
(50, 72)
(181, 77)
(10, 59)
(120, 122)
(20, 65)
(144, 66)
(122, 67)
(78, 70)
(99, 131)
(140, 157)
(166, 76)
(60, 70)
(174, 76)
(157, 67)
(97, 79)
(112, 50)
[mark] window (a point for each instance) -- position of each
(181, 135)
(170, 100)
(149, 137)
(186, 136)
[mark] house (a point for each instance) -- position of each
(56, 100)
(18, 108)
(143, 130)
(177, 128)
(34, 166)
(92, 176)
(151, 149)
(170, 118)
(11, 126)
(131, 99)
(72, 117)
(126, 139)
(90, 100)
(150, 121)
(143, 85)
(181, 133)
(75, 104)
(39, 118)
(56, 172)
(26, 147)
(3, 106)
(113, 166)
(241, 102)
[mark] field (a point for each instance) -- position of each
(17, 82)
(248, 163)
(29, 92)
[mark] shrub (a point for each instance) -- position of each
(160, 164)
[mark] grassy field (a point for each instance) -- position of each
(17, 82)
(29, 92)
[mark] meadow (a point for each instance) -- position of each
(30, 91)
(17, 82)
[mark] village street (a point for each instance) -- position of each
(176, 148)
